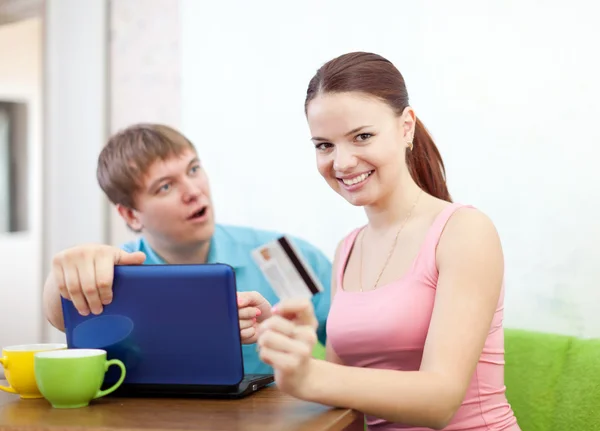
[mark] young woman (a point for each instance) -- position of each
(415, 337)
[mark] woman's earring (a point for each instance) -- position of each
(410, 146)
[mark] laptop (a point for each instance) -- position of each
(176, 329)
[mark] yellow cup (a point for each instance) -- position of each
(18, 368)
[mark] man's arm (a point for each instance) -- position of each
(52, 304)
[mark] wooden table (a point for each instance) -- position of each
(265, 410)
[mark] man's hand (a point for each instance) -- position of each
(253, 309)
(84, 274)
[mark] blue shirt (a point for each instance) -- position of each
(232, 245)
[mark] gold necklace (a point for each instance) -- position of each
(362, 237)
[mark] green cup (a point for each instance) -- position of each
(72, 378)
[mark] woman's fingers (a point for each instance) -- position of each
(301, 311)
(278, 324)
(279, 360)
(282, 343)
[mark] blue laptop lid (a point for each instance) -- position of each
(169, 324)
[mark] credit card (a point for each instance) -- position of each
(286, 269)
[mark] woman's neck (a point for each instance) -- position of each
(394, 209)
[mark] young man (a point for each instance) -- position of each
(153, 175)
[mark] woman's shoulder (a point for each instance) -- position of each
(469, 234)
(467, 220)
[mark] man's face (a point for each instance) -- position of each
(174, 205)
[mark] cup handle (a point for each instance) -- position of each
(4, 363)
(116, 385)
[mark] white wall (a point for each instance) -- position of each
(509, 90)
(20, 253)
(75, 212)
(119, 69)
(144, 73)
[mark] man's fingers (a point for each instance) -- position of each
(256, 300)
(87, 281)
(247, 323)
(247, 334)
(124, 258)
(74, 288)
(248, 313)
(105, 271)
(59, 279)
(252, 298)
(242, 300)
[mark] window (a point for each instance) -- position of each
(13, 167)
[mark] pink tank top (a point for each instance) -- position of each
(386, 328)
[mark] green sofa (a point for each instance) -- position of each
(552, 381)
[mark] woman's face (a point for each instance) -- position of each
(360, 145)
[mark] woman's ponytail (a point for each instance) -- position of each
(425, 164)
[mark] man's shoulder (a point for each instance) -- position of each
(245, 234)
(140, 244)
(255, 237)
(133, 245)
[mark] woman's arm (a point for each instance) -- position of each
(359, 422)
(471, 268)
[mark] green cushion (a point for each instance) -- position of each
(553, 381)
(578, 392)
(534, 363)
(319, 351)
